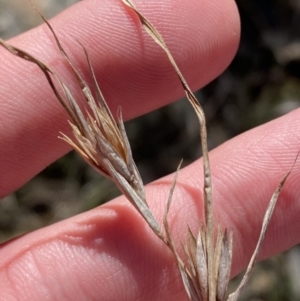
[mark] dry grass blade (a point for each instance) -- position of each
(151, 30)
(186, 279)
(203, 133)
(266, 221)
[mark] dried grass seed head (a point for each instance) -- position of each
(103, 143)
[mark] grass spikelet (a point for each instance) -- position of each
(98, 138)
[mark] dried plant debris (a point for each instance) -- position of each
(102, 142)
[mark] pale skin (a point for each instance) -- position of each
(109, 253)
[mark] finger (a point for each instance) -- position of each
(110, 253)
(248, 170)
(132, 71)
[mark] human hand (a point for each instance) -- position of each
(109, 253)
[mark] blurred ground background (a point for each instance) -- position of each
(261, 84)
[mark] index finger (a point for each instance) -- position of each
(132, 71)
